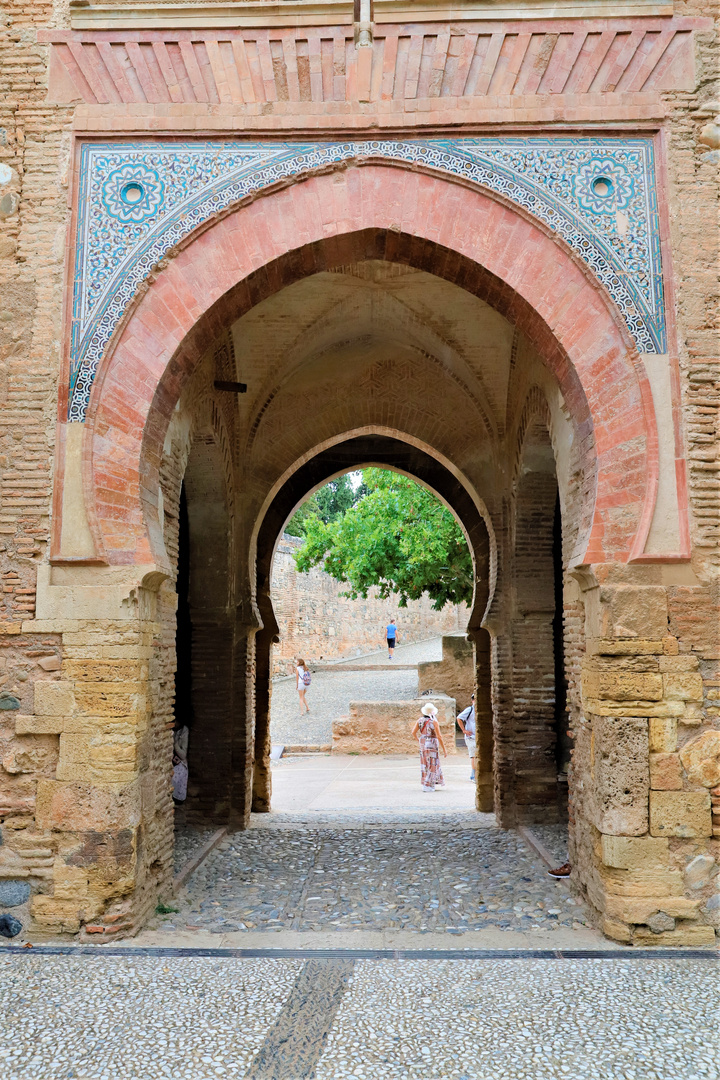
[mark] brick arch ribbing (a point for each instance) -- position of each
(375, 211)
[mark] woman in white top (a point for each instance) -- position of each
(302, 681)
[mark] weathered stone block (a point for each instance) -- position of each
(665, 772)
(701, 759)
(686, 686)
(683, 934)
(597, 646)
(615, 929)
(639, 909)
(678, 663)
(662, 734)
(110, 699)
(54, 698)
(69, 882)
(634, 852)
(623, 685)
(38, 725)
(634, 611)
(656, 881)
(74, 747)
(638, 708)
(680, 813)
(621, 775)
(80, 807)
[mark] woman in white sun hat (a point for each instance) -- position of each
(427, 731)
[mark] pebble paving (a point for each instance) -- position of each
(200, 1018)
(331, 692)
(424, 878)
(111, 1018)
(527, 1020)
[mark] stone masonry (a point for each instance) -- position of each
(318, 623)
(243, 253)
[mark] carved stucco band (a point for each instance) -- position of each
(137, 200)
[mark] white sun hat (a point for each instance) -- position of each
(429, 709)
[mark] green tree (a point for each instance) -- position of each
(328, 503)
(397, 537)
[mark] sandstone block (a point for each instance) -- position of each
(639, 909)
(621, 775)
(623, 685)
(58, 916)
(54, 698)
(684, 685)
(105, 671)
(78, 807)
(665, 772)
(38, 725)
(615, 929)
(70, 882)
(110, 699)
(637, 708)
(634, 611)
(658, 881)
(623, 647)
(683, 934)
(701, 759)
(680, 813)
(634, 852)
(694, 714)
(678, 663)
(74, 747)
(662, 734)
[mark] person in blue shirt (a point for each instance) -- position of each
(391, 637)
(466, 720)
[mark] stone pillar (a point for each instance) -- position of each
(643, 768)
(484, 801)
(106, 813)
(262, 776)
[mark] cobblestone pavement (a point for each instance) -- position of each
(331, 692)
(555, 839)
(105, 1017)
(447, 877)
(188, 841)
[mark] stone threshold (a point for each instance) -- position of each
(367, 954)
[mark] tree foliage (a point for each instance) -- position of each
(328, 503)
(397, 537)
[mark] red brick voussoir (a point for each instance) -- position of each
(371, 210)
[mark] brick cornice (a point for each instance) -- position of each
(408, 63)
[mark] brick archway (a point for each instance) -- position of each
(446, 227)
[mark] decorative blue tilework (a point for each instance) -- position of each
(137, 200)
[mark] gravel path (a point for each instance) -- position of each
(421, 878)
(331, 692)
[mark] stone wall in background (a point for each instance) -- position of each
(385, 727)
(317, 623)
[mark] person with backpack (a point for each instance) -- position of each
(302, 681)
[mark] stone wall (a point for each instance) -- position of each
(454, 675)
(318, 623)
(384, 727)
